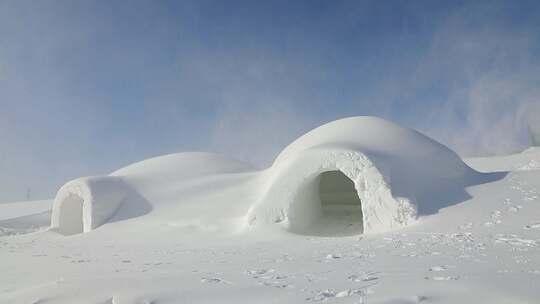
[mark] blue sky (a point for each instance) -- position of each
(87, 87)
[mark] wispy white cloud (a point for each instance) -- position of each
(491, 74)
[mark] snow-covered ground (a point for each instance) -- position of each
(484, 249)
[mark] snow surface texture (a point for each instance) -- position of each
(181, 235)
(382, 159)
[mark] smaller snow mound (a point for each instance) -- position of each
(179, 166)
(86, 203)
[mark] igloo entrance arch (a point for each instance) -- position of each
(331, 192)
(340, 204)
(71, 215)
(85, 203)
(327, 205)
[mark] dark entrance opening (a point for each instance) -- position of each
(341, 208)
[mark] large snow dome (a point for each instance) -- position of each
(351, 176)
(382, 174)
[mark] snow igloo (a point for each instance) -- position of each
(358, 175)
(350, 176)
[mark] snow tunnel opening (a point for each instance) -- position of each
(71, 215)
(329, 205)
(340, 204)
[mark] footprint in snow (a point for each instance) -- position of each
(268, 277)
(465, 226)
(214, 280)
(324, 295)
(365, 277)
(496, 216)
(442, 278)
(257, 273)
(438, 268)
(533, 226)
(276, 284)
(80, 261)
(514, 208)
(521, 259)
(514, 240)
(333, 256)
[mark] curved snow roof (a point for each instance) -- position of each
(183, 166)
(380, 138)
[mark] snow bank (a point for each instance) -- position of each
(23, 208)
(181, 166)
(24, 217)
(526, 160)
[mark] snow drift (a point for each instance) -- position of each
(350, 176)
